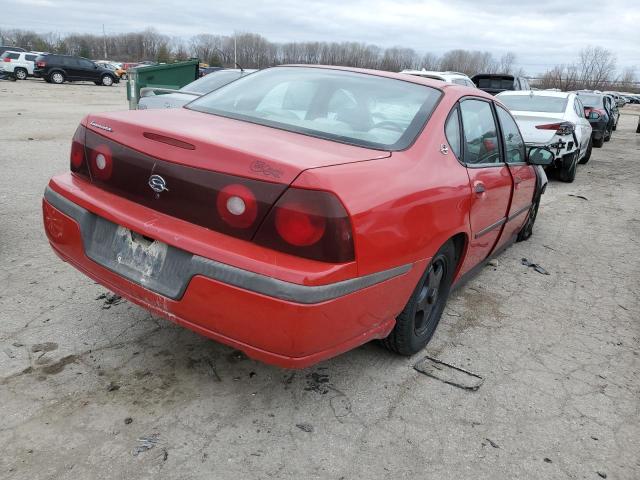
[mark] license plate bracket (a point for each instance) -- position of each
(143, 255)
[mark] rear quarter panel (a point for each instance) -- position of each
(405, 207)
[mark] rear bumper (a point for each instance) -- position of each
(278, 322)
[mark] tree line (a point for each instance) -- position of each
(595, 67)
(251, 50)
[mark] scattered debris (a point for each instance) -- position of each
(252, 374)
(535, 266)
(579, 196)
(450, 374)
(602, 474)
(29, 138)
(594, 438)
(44, 347)
(305, 427)
(17, 344)
(146, 443)
(493, 262)
(112, 387)
(318, 382)
(547, 459)
(237, 356)
(128, 420)
(110, 299)
(492, 443)
(165, 454)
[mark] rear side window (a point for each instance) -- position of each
(30, 58)
(11, 55)
(514, 148)
(452, 132)
(480, 133)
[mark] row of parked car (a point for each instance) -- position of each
(17, 63)
(568, 123)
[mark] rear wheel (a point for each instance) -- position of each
(598, 142)
(527, 229)
(417, 323)
(587, 155)
(607, 135)
(57, 77)
(569, 166)
(20, 73)
(107, 80)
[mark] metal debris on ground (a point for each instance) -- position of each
(492, 443)
(449, 374)
(110, 299)
(305, 427)
(146, 443)
(579, 196)
(535, 266)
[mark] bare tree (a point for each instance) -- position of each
(596, 67)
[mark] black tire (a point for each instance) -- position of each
(587, 155)
(57, 78)
(607, 135)
(107, 80)
(568, 171)
(597, 143)
(20, 73)
(615, 127)
(527, 229)
(417, 323)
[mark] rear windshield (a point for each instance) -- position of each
(211, 82)
(349, 107)
(534, 103)
(11, 55)
(497, 83)
(590, 100)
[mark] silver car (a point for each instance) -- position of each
(153, 98)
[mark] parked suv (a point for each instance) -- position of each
(20, 64)
(449, 77)
(61, 68)
(495, 83)
(5, 48)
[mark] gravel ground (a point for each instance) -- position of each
(90, 389)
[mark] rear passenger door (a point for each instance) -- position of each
(523, 174)
(489, 178)
(87, 69)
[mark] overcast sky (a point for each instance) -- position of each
(541, 33)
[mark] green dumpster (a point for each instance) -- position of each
(169, 75)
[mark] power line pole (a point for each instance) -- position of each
(235, 51)
(104, 40)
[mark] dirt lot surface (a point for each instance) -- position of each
(90, 389)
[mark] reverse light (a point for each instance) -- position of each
(561, 128)
(237, 206)
(101, 162)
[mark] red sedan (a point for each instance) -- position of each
(300, 211)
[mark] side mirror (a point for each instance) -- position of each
(540, 156)
(594, 115)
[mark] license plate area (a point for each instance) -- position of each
(141, 254)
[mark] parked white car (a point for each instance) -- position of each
(449, 77)
(20, 64)
(555, 120)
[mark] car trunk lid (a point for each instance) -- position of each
(528, 121)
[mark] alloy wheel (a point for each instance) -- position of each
(426, 306)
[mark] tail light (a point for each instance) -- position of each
(311, 224)
(41, 64)
(6, 59)
(561, 128)
(78, 156)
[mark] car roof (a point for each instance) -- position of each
(535, 93)
(434, 73)
(403, 77)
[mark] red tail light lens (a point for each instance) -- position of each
(41, 64)
(77, 157)
(7, 59)
(311, 224)
(561, 128)
(237, 206)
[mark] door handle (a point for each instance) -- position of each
(478, 187)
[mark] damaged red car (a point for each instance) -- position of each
(300, 211)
